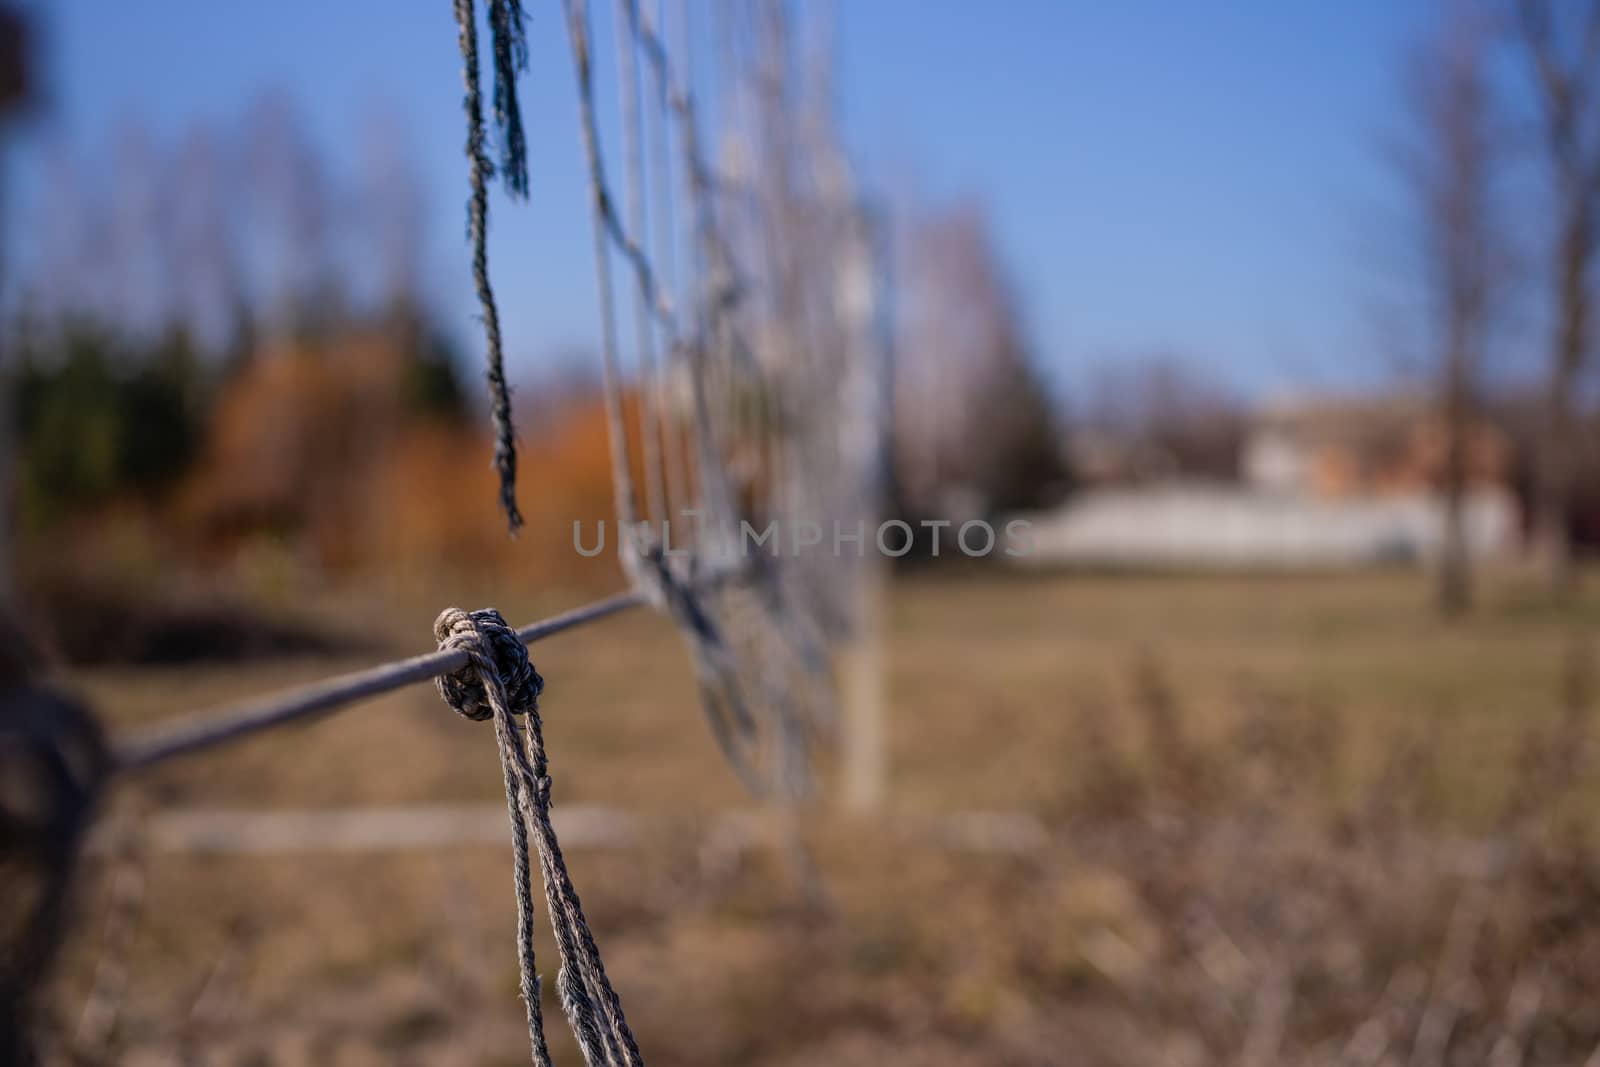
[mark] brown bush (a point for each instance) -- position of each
(314, 446)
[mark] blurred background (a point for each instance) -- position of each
(1279, 326)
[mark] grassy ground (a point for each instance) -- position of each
(1234, 774)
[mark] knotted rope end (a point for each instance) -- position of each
(496, 656)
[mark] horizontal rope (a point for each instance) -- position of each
(210, 729)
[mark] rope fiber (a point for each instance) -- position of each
(500, 682)
(510, 56)
(207, 730)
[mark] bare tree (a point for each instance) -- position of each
(975, 423)
(1167, 415)
(1562, 43)
(205, 264)
(390, 212)
(1449, 167)
(294, 216)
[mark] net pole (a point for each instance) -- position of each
(864, 670)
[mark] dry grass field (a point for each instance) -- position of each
(1130, 820)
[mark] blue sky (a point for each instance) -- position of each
(1162, 176)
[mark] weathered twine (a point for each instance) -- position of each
(510, 54)
(766, 680)
(500, 683)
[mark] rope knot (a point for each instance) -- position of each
(497, 659)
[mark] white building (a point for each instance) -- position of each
(1323, 485)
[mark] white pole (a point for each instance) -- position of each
(863, 665)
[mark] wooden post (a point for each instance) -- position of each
(862, 690)
(863, 667)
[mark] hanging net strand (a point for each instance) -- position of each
(501, 684)
(716, 665)
(606, 227)
(508, 28)
(660, 193)
(510, 56)
(644, 327)
(760, 377)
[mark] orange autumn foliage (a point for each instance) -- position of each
(315, 446)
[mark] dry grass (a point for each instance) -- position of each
(1260, 798)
